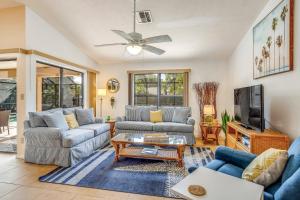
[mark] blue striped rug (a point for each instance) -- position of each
(139, 176)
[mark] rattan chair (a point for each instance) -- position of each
(4, 120)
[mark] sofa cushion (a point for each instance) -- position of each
(215, 164)
(172, 127)
(156, 116)
(181, 115)
(97, 128)
(167, 113)
(133, 113)
(292, 165)
(295, 147)
(135, 125)
(68, 111)
(85, 116)
(73, 137)
(231, 170)
(289, 190)
(36, 118)
(267, 167)
(71, 121)
(145, 112)
(56, 120)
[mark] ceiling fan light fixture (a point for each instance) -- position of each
(134, 49)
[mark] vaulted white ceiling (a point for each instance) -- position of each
(203, 29)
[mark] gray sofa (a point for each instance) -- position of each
(49, 145)
(176, 121)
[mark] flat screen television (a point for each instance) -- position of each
(249, 107)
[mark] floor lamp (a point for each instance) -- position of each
(101, 93)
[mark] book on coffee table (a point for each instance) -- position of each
(150, 151)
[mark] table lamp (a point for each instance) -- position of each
(208, 112)
(101, 93)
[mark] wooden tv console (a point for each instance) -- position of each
(258, 141)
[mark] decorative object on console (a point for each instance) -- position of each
(112, 101)
(206, 95)
(273, 41)
(208, 112)
(225, 119)
(101, 93)
(113, 85)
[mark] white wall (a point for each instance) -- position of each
(201, 71)
(12, 27)
(282, 91)
(41, 36)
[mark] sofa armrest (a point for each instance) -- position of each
(44, 133)
(190, 121)
(120, 119)
(99, 120)
(235, 157)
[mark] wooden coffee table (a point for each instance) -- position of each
(123, 141)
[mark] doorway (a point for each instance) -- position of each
(8, 106)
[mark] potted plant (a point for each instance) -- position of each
(225, 119)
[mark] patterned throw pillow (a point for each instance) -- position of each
(71, 121)
(266, 168)
(133, 113)
(56, 120)
(167, 113)
(85, 116)
(36, 118)
(156, 116)
(181, 115)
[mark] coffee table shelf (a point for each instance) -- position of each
(136, 152)
(124, 141)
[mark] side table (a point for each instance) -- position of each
(208, 129)
(112, 127)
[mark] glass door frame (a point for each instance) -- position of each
(61, 77)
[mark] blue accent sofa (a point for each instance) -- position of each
(287, 187)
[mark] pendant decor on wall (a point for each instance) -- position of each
(273, 41)
(113, 85)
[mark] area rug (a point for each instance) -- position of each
(139, 176)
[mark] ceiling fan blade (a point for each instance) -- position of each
(157, 39)
(123, 35)
(153, 49)
(112, 44)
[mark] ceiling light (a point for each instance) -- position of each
(134, 49)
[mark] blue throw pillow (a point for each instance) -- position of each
(291, 167)
(36, 118)
(56, 120)
(85, 116)
(181, 115)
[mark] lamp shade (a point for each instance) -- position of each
(101, 92)
(208, 110)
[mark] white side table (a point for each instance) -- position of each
(218, 186)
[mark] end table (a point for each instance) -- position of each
(210, 129)
(112, 127)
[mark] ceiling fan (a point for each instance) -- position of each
(135, 42)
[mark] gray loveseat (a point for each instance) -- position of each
(176, 121)
(49, 145)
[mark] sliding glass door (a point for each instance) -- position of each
(58, 87)
(72, 89)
